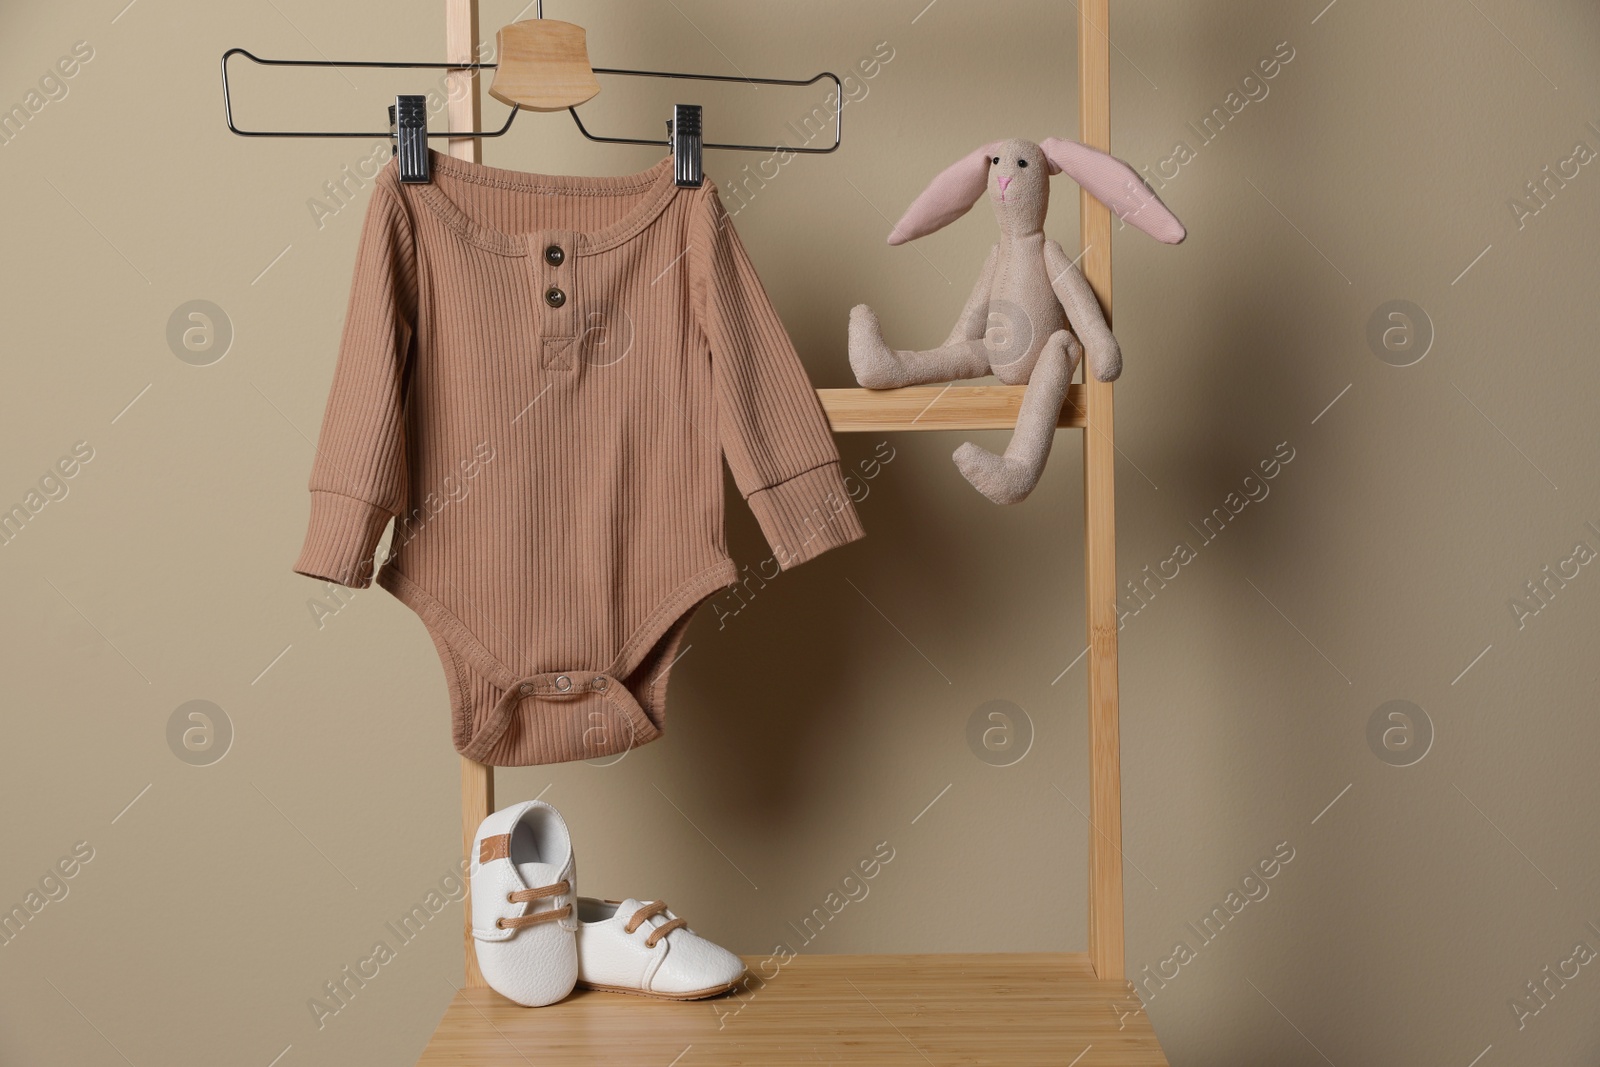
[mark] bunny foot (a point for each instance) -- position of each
(870, 357)
(1002, 480)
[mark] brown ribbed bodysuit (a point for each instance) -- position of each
(538, 379)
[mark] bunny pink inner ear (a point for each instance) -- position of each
(1117, 186)
(950, 195)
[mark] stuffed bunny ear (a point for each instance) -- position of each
(949, 196)
(1116, 185)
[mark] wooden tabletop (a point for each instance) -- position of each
(992, 1008)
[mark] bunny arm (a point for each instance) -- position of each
(1103, 354)
(1008, 479)
(974, 320)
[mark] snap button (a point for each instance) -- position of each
(554, 297)
(554, 256)
(599, 685)
(527, 689)
(563, 683)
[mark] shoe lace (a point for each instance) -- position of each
(657, 933)
(528, 896)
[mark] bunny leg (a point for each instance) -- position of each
(877, 366)
(1008, 479)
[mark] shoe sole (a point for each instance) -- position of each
(698, 994)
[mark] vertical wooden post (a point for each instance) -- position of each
(461, 46)
(1106, 951)
(477, 801)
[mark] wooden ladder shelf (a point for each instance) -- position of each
(938, 407)
(1014, 1009)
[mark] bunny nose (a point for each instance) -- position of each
(1004, 181)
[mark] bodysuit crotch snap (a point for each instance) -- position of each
(509, 718)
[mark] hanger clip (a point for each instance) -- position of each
(408, 121)
(683, 131)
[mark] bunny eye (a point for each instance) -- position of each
(996, 160)
(1022, 162)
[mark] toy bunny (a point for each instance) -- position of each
(1031, 307)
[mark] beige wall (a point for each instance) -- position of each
(826, 715)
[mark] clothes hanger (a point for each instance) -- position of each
(544, 65)
(523, 48)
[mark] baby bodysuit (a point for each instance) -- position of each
(539, 379)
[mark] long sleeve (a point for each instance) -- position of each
(358, 478)
(774, 435)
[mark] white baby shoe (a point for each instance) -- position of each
(523, 902)
(632, 947)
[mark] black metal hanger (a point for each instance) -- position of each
(408, 116)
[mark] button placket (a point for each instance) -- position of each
(554, 270)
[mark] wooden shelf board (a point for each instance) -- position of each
(936, 407)
(1015, 1009)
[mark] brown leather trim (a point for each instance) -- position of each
(497, 847)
